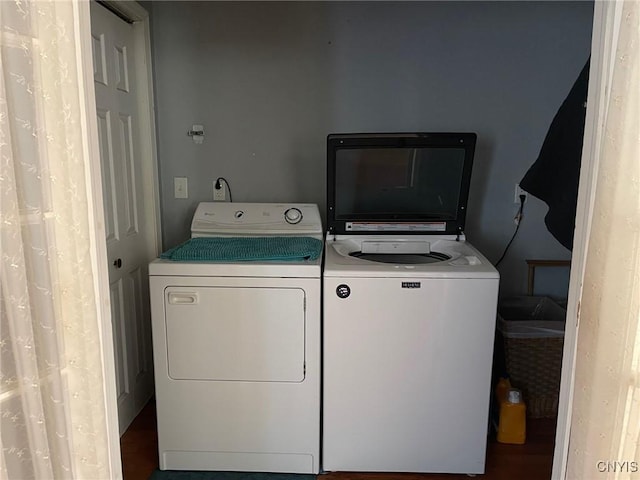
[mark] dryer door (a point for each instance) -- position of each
(253, 334)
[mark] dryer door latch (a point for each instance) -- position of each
(183, 298)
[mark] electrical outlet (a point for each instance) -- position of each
(519, 191)
(180, 187)
(219, 194)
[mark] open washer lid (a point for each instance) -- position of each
(398, 183)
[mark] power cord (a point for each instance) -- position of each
(219, 186)
(517, 219)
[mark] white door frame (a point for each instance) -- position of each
(134, 12)
(602, 54)
(606, 17)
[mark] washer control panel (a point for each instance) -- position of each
(228, 218)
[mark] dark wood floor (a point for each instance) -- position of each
(531, 461)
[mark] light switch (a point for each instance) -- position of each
(180, 187)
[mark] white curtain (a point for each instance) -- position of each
(605, 426)
(52, 397)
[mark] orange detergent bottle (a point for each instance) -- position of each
(502, 390)
(512, 426)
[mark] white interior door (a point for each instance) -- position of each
(131, 239)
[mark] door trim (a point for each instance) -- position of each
(98, 246)
(605, 27)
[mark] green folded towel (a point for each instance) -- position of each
(235, 249)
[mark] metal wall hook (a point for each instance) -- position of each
(196, 133)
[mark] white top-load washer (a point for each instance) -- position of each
(409, 308)
(236, 337)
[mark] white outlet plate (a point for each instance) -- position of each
(180, 187)
(219, 194)
(519, 191)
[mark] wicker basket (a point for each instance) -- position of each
(533, 333)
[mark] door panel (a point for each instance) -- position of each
(108, 181)
(99, 59)
(122, 68)
(129, 167)
(118, 325)
(140, 367)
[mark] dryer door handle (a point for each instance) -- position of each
(183, 298)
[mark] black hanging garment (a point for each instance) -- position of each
(553, 178)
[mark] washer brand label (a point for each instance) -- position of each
(343, 291)
(410, 284)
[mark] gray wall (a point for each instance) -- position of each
(270, 80)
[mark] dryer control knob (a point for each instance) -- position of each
(293, 216)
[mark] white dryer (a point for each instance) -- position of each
(237, 342)
(409, 308)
